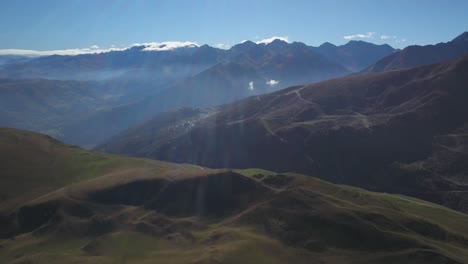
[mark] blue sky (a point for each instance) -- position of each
(67, 24)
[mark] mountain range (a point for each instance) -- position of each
(355, 55)
(133, 85)
(144, 80)
(143, 61)
(262, 153)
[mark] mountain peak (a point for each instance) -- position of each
(277, 42)
(272, 39)
(327, 45)
(243, 46)
(463, 37)
(247, 42)
(205, 47)
(298, 44)
(357, 42)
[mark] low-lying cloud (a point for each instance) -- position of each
(251, 85)
(34, 53)
(149, 46)
(367, 35)
(168, 45)
(272, 82)
(387, 37)
(222, 46)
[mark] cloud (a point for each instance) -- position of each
(360, 36)
(269, 40)
(400, 40)
(272, 82)
(34, 53)
(222, 46)
(150, 46)
(251, 86)
(387, 37)
(168, 45)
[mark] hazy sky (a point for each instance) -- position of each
(66, 24)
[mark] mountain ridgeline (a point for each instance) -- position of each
(132, 85)
(413, 56)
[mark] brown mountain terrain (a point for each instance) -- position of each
(62, 204)
(401, 131)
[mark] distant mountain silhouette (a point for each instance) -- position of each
(164, 65)
(280, 62)
(355, 55)
(11, 59)
(133, 63)
(241, 48)
(413, 56)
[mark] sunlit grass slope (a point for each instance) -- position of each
(62, 204)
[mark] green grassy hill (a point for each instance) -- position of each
(33, 165)
(62, 204)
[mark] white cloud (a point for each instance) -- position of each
(387, 37)
(251, 85)
(269, 40)
(360, 36)
(272, 82)
(150, 46)
(222, 46)
(400, 40)
(33, 53)
(168, 45)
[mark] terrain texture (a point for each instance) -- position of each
(62, 204)
(401, 131)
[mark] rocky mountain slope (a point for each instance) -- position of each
(399, 131)
(415, 55)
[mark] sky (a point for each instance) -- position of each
(49, 25)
